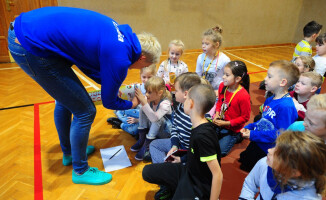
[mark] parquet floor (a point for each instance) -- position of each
(20, 178)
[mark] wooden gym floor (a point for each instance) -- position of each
(31, 158)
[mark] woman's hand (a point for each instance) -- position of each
(135, 102)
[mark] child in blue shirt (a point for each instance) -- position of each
(279, 112)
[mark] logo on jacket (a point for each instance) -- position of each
(120, 36)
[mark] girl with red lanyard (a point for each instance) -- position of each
(233, 105)
(211, 62)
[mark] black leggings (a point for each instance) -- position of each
(172, 175)
(250, 156)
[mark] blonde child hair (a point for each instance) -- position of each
(315, 78)
(308, 62)
(177, 43)
(215, 34)
(288, 71)
(317, 102)
(151, 69)
(301, 152)
(150, 47)
(156, 84)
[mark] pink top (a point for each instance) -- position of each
(154, 116)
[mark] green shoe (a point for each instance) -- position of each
(92, 176)
(67, 159)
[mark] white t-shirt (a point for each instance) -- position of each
(320, 66)
(216, 70)
(176, 68)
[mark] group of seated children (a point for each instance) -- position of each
(293, 169)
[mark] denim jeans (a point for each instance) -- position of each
(227, 139)
(56, 77)
(159, 148)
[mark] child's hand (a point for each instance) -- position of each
(216, 93)
(216, 117)
(141, 98)
(245, 133)
(219, 122)
(132, 120)
(174, 148)
(176, 159)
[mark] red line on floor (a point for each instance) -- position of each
(257, 72)
(38, 184)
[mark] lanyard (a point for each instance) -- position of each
(224, 107)
(209, 65)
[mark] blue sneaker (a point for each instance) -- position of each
(67, 159)
(92, 176)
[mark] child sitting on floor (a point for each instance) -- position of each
(201, 177)
(173, 66)
(305, 63)
(294, 169)
(181, 124)
(279, 112)
(310, 33)
(128, 120)
(153, 116)
(210, 64)
(305, 88)
(315, 119)
(233, 107)
(320, 58)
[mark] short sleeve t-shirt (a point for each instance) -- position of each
(204, 147)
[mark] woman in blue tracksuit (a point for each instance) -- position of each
(46, 42)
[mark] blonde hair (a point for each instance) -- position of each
(151, 69)
(155, 84)
(315, 78)
(150, 47)
(304, 152)
(317, 102)
(289, 71)
(203, 96)
(308, 62)
(177, 43)
(215, 34)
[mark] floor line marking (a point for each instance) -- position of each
(9, 68)
(86, 80)
(38, 184)
(260, 66)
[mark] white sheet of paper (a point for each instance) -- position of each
(119, 161)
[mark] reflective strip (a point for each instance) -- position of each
(192, 150)
(209, 158)
(302, 48)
